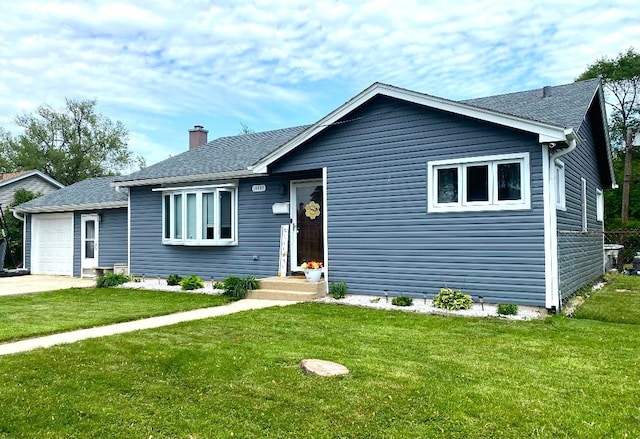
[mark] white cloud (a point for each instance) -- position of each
(279, 63)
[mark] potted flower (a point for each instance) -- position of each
(312, 270)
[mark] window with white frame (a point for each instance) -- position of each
(584, 205)
(498, 182)
(200, 215)
(559, 180)
(599, 205)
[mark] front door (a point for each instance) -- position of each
(89, 241)
(307, 219)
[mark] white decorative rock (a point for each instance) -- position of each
(323, 368)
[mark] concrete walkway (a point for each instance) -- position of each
(137, 325)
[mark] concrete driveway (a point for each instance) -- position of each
(35, 283)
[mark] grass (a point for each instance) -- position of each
(617, 302)
(411, 376)
(31, 315)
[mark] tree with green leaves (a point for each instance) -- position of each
(70, 144)
(621, 79)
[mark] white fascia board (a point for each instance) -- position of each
(185, 178)
(607, 140)
(74, 207)
(546, 132)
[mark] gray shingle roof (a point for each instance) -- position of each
(226, 154)
(89, 192)
(565, 106)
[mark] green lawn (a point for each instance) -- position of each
(617, 302)
(30, 315)
(412, 376)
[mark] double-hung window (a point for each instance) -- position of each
(204, 215)
(499, 182)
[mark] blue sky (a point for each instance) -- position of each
(162, 66)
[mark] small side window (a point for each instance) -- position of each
(599, 205)
(559, 180)
(584, 206)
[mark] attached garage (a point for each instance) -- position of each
(71, 231)
(52, 249)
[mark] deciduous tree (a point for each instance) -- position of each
(69, 144)
(621, 78)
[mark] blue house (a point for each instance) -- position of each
(395, 190)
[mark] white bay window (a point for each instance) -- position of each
(205, 215)
(499, 182)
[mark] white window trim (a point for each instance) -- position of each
(560, 185)
(585, 223)
(493, 203)
(199, 190)
(599, 205)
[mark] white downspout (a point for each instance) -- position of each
(556, 297)
(24, 234)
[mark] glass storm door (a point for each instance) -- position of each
(307, 218)
(89, 239)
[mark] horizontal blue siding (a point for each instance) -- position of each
(112, 239)
(380, 234)
(580, 255)
(258, 235)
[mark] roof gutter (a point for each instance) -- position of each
(184, 178)
(572, 144)
(72, 207)
(16, 216)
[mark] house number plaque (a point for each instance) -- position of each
(258, 188)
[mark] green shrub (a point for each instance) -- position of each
(452, 300)
(338, 290)
(402, 301)
(191, 282)
(236, 287)
(507, 309)
(218, 286)
(112, 280)
(174, 279)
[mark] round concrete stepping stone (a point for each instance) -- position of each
(323, 368)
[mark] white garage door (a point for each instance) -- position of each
(52, 244)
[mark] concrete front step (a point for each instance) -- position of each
(293, 283)
(265, 294)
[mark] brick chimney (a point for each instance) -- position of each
(197, 136)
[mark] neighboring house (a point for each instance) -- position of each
(34, 181)
(76, 229)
